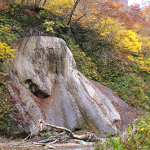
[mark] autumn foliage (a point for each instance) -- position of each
(116, 27)
(121, 29)
(6, 52)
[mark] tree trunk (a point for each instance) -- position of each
(75, 5)
(44, 2)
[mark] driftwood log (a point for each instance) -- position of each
(60, 137)
(89, 137)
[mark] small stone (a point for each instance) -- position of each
(49, 146)
(83, 142)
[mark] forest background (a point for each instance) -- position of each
(110, 43)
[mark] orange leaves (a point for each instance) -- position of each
(78, 17)
(3, 8)
(127, 15)
(107, 8)
(146, 12)
(134, 16)
(32, 13)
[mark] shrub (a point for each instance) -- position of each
(132, 89)
(138, 139)
(6, 52)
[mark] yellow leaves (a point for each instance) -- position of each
(140, 58)
(5, 33)
(146, 43)
(81, 55)
(130, 57)
(129, 42)
(50, 23)
(106, 29)
(144, 129)
(141, 62)
(111, 32)
(140, 129)
(59, 6)
(5, 30)
(107, 25)
(6, 52)
(49, 26)
(144, 67)
(147, 61)
(144, 56)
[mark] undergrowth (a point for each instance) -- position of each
(4, 107)
(139, 139)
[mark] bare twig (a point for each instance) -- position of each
(77, 20)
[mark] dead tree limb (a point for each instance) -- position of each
(77, 20)
(61, 137)
(44, 2)
(87, 137)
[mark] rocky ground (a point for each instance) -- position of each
(33, 143)
(19, 144)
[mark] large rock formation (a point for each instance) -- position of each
(45, 84)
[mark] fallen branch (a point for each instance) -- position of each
(77, 20)
(61, 137)
(87, 137)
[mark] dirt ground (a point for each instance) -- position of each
(17, 144)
